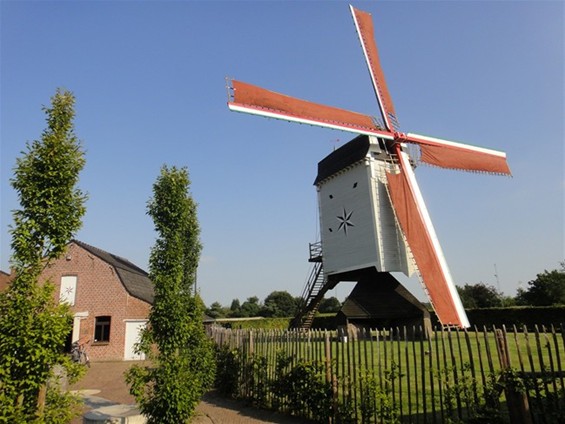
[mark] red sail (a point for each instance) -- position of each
(453, 155)
(421, 245)
(467, 160)
(364, 25)
(252, 97)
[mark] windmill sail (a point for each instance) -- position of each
(364, 25)
(414, 220)
(259, 101)
(449, 154)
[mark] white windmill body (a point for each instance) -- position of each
(357, 223)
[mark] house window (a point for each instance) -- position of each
(102, 329)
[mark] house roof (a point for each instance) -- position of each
(135, 280)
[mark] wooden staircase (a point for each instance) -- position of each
(314, 291)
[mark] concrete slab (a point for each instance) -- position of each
(114, 414)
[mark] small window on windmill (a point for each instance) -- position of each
(331, 196)
(355, 184)
(382, 144)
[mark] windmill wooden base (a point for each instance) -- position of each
(380, 301)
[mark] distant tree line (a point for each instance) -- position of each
(278, 304)
(547, 289)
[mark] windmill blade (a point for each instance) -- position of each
(415, 222)
(259, 101)
(450, 154)
(364, 25)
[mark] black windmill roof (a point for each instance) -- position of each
(348, 154)
(135, 280)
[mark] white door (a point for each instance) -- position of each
(79, 316)
(133, 332)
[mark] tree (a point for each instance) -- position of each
(329, 305)
(216, 310)
(33, 327)
(479, 296)
(547, 289)
(235, 309)
(251, 307)
(181, 356)
(279, 304)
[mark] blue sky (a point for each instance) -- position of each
(149, 81)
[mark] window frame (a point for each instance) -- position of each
(102, 328)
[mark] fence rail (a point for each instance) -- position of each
(399, 375)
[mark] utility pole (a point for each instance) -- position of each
(496, 276)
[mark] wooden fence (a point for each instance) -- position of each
(398, 375)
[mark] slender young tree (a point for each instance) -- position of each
(181, 356)
(33, 327)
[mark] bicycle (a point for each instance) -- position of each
(79, 354)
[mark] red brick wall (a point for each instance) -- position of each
(99, 292)
(5, 279)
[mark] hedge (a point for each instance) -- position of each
(519, 316)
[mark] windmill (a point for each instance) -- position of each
(372, 213)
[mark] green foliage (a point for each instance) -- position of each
(233, 372)
(376, 399)
(547, 289)
(547, 405)
(216, 310)
(45, 179)
(279, 304)
(235, 308)
(181, 355)
(251, 307)
(255, 374)
(33, 327)
(480, 404)
(518, 316)
(479, 296)
(329, 305)
(325, 322)
(62, 407)
(301, 386)
(266, 324)
(228, 366)
(295, 386)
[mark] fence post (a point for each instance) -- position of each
(518, 406)
(329, 374)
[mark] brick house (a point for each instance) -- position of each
(5, 279)
(109, 296)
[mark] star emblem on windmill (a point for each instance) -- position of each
(345, 221)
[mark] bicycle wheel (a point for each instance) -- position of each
(84, 359)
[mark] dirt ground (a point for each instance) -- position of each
(105, 380)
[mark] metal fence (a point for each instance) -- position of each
(401, 374)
